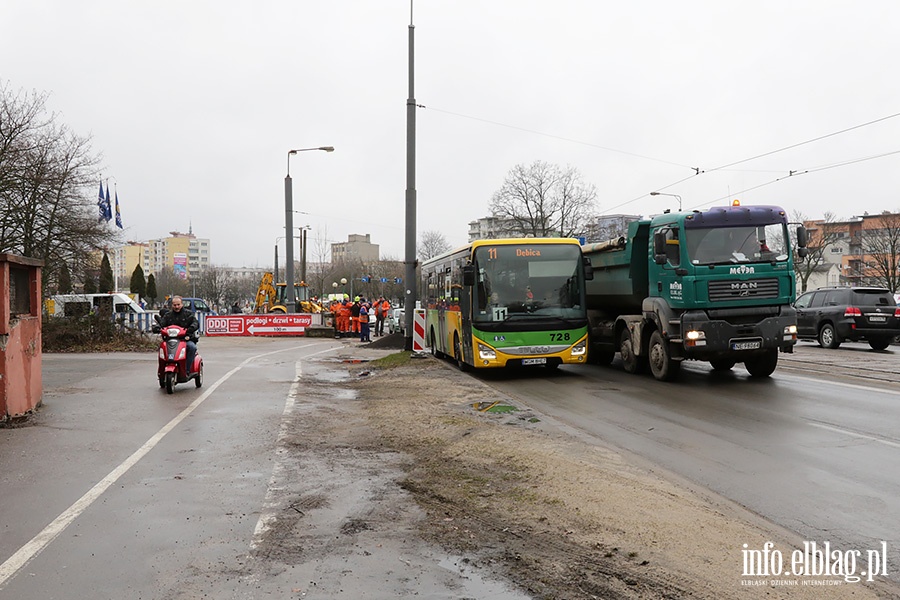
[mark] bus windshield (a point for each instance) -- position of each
(762, 243)
(528, 280)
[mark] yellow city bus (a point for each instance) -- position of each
(508, 302)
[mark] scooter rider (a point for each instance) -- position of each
(184, 318)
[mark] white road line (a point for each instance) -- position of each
(854, 434)
(268, 514)
(34, 547)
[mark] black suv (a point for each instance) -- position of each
(836, 314)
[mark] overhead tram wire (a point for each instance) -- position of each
(790, 173)
(798, 173)
(697, 171)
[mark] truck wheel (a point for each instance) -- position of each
(828, 337)
(762, 365)
(630, 361)
(661, 364)
(722, 364)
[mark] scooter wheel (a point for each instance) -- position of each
(198, 379)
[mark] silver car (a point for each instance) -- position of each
(397, 321)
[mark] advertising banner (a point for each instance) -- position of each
(179, 260)
(258, 325)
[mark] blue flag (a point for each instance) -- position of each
(100, 204)
(107, 207)
(118, 214)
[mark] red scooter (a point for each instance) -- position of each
(173, 359)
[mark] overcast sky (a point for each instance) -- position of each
(193, 106)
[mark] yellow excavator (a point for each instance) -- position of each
(271, 297)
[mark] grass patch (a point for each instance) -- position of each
(399, 359)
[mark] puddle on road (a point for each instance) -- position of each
(477, 586)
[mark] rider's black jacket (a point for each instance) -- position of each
(183, 318)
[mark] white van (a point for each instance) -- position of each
(71, 305)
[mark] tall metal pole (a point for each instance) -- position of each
(289, 237)
(410, 271)
(303, 255)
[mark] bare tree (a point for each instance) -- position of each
(544, 200)
(823, 234)
(431, 244)
(881, 249)
(47, 178)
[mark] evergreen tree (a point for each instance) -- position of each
(90, 283)
(151, 289)
(64, 285)
(138, 284)
(107, 282)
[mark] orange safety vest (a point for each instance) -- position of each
(363, 316)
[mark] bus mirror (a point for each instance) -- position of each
(588, 268)
(468, 275)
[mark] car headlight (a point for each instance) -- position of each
(486, 353)
(579, 348)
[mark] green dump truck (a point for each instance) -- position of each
(714, 286)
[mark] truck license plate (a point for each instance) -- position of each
(534, 361)
(752, 345)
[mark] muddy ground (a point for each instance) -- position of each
(514, 497)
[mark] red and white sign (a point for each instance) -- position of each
(262, 325)
(418, 338)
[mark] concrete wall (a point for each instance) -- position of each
(21, 386)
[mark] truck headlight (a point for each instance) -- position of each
(579, 348)
(695, 337)
(790, 332)
(486, 353)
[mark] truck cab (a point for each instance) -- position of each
(715, 286)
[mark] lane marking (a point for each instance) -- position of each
(37, 544)
(855, 434)
(268, 513)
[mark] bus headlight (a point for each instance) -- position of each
(579, 348)
(486, 353)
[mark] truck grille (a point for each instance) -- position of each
(736, 289)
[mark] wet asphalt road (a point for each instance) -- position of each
(115, 489)
(814, 448)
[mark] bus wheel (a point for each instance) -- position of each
(457, 351)
(661, 364)
(434, 349)
(632, 362)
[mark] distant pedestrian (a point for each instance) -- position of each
(382, 310)
(235, 308)
(364, 321)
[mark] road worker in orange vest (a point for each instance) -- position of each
(354, 316)
(345, 315)
(382, 310)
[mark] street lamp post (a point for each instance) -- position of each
(290, 298)
(676, 196)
